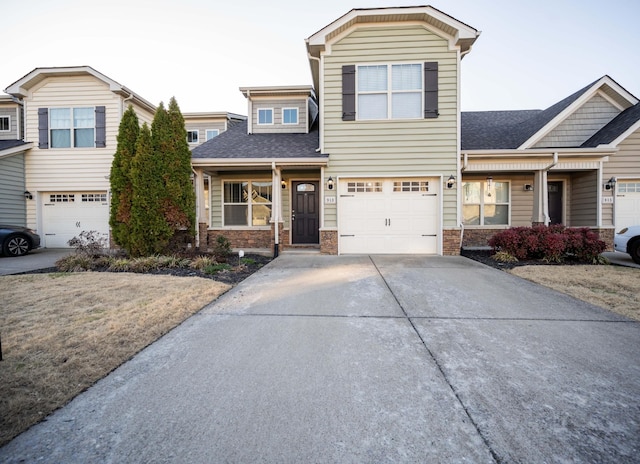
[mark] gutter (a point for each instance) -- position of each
(260, 162)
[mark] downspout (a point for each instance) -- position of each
(319, 94)
(276, 208)
(122, 103)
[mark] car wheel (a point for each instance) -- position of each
(16, 245)
(634, 251)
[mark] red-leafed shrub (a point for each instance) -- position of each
(553, 243)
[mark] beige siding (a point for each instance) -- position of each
(202, 127)
(278, 105)
(582, 124)
(582, 210)
(418, 147)
(625, 163)
(143, 114)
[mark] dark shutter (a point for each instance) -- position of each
(43, 128)
(431, 89)
(101, 135)
(349, 92)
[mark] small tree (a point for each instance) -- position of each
(149, 232)
(120, 178)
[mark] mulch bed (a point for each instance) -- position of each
(485, 257)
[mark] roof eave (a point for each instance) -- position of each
(260, 162)
(15, 150)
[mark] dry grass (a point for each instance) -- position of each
(63, 332)
(610, 287)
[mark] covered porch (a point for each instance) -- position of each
(513, 188)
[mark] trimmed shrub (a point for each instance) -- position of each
(552, 244)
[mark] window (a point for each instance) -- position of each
(5, 123)
(62, 198)
(211, 133)
(289, 115)
(485, 204)
(411, 186)
(364, 186)
(390, 91)
(94, 198)
(265, 115)
(192, 136)
(72, 127)
(240, 206)
(628, 187)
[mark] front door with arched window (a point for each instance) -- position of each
(305, 217)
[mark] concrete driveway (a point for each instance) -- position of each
(366, 359)
(40, 258)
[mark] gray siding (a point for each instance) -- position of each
(581, 125)
(584, 200)
(202, 130)
(13, 133)
(277, 105)
(12, 187)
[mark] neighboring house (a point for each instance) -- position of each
(72, 117)
(576, 163)
(202, 127)
(13, 194)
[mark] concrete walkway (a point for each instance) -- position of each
(359, 359)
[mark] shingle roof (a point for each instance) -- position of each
(615, 128)
(6, 144)
(236, 143)
(508, 129)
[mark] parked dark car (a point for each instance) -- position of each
(17, 241)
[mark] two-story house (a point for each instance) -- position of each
(391, 165)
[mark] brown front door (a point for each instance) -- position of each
(304, 212)
(554, 192)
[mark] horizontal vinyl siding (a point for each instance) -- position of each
(71, 168)
(625, 163)
(391, 148)
(12, 187)
(582, 124)
(143, 115)
(202, 128)
(584, 200)
(277, 106)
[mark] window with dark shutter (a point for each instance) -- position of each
(431, 89)
(349, 93)
(101, 135)
(43, 128)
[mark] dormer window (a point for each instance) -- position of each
(265, 116)
(5, 123)
(192, 136)
(289, 115)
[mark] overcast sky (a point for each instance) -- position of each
(530, 54)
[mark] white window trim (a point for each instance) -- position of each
(207, 131)
(249, 204)
(197, 132)
(265, 123)
(71, 128)
(297, 116)
(9, 120)
(390, 92)
(483, 184)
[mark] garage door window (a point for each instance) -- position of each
(364, 187)
(628, 187)
(94, 197)
(485, 204)
(62, 198)
(411, 186)
(247, 199)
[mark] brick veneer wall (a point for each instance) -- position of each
(606, 235)
(329, 242)
(451, 242)
(244, 238)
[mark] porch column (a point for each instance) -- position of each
(276, 207)
(201, 212)
(540, 199)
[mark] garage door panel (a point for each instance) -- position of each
(398, 219)
(66, 215)
(627, 206)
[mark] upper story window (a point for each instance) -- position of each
(72, 127)
(390, 91)
(5, 123)
(289, 115)
(265, 115)
(485, 203)
(211, 133)
(192, 136)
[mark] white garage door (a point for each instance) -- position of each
(65, 215)
(388, 216)
(627, 206)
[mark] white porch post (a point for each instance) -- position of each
(540, 199)
(276, 206)
(198, 181)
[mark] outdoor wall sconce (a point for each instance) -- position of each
(489, 182)
(27, 195)
(330, 183)
(610, 184)
(283, 184)
(451, 181)
(528, 188)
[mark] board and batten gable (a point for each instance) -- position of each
(402, 147)
(582, 124)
